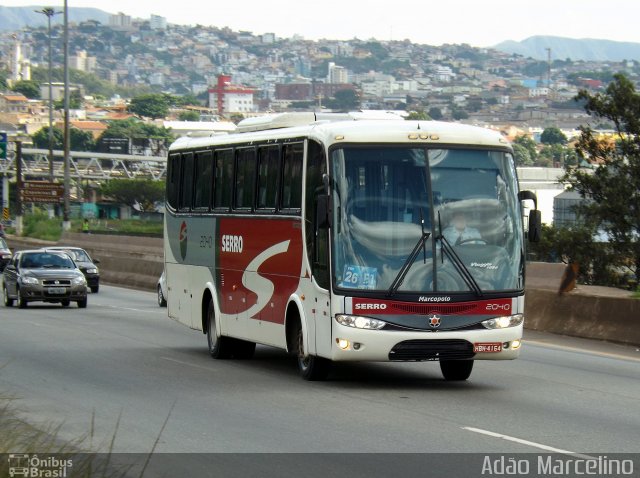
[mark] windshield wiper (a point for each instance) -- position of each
(453, 256)
(421, 244)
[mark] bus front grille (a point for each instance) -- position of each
(446, 349)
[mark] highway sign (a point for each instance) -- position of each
(42, 192)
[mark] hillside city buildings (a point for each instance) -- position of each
(241, 74)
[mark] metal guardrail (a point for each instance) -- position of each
(87, 165)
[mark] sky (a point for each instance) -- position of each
(479, 23)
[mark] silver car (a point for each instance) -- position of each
(45, 276)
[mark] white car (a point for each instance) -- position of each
(162, 290)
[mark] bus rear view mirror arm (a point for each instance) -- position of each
(323, 212)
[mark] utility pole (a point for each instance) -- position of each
(50, 12)
(66, 224)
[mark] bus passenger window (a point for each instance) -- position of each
(223, 179)
(186, 191)
(292, 177)
(245, 177)
(204, 172)
(173, 180)
(268, 169)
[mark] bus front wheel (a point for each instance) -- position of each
(456, 370)
(219, 347)
(311, 367)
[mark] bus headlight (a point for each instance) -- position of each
(504, 322)
(358, 322)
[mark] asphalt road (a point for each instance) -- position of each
(150, 384)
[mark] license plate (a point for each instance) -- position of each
(56, 290)
(487, 347)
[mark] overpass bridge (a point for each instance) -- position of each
(85, 165)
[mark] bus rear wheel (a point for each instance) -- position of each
(219, 347)
(311, 367)
(456, 370)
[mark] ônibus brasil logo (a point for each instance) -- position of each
(183, 240)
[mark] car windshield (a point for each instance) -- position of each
(79, 255)
(3, 244)
(425, 220)
(46, 260)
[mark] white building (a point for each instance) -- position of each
(157, 22)
(337, 74)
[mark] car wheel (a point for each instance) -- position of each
(8, 302)
(65, 303)
(456, 370)
(162, 302)
(95, 289)
(82, 304)
(22, 302)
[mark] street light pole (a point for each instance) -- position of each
(50, 12)
(66, 224)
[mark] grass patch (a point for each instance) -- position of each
(40, 226)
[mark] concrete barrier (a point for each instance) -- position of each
(613, 318)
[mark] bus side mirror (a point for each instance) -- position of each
(535, 226)
(323, 212)
(535, 216)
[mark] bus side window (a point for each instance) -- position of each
(204, 172)
(292, 177)
(268, 169)
(186, 189)
(245, 178)
(173, 180)
(223, 179)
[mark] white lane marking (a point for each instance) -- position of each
(579, 350)
(127, 308)
(186, 363)
(528, 443)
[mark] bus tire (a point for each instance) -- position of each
(311, 367)
(456, 370)
(219, 347)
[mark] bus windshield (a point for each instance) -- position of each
(458, 206)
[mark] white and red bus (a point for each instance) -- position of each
(349, 240)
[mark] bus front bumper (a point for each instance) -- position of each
(352, 344)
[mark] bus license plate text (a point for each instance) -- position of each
(488, 347)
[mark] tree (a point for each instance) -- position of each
(153, 105)
(41, 138)
(418, 115)
(435, 113)
(529, 144)
(189, 116)
(612, 188)
(521, 155)
(142, 193)
(78, 140)
(553, 135)
(344, 100)
(29, 88)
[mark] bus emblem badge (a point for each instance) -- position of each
(434, 321)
